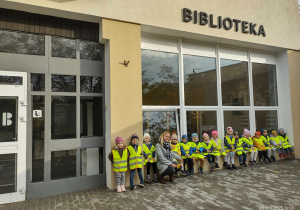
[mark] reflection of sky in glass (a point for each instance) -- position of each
(225, 62)
(158, 123)
(152, 61)
(198, 64)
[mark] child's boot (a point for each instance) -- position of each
(273, 159)
(245, 164)
(269, 160)
(183, 173)
(192, 172)
(217, 165)
(148, 178)
(119, 189)
(280, 154)
(254, 162)
(123, 188)
(201, 170)
(187, 173)
(212, 166)
(155, 178)
(224, 164)
(233, 166)
(241, 164)
(228, 167)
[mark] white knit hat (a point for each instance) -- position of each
(147, 135)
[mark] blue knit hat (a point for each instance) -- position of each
(184, 136)
(194, 135)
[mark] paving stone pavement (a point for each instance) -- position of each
(264, 186)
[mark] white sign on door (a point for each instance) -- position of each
(37, 113)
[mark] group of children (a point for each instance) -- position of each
(260, 145)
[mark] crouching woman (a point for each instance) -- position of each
(164, 157)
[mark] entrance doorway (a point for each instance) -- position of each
(12, 136)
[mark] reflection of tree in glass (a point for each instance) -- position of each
(91, 50)
(23, 43)
(155, 123)
(164, 91)
(91, 84)
(63, 83)
(62, 47)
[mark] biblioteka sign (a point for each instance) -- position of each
(202, 18)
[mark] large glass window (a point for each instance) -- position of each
(238, 120)
(8, 181)
(22, 43)
(90, 84)
(91, 117)
(266, 119)
(38, 82)
(11, 80)
(200, 81)
(8, 119)
(38, 139)
(235, 86)
(264, 84)
(63, 117)
(155, 123)
(91, 50)
(63, 164)
(201, 122)
(63, 83)
(63, 48)
(160, 78)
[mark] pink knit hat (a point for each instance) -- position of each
(205, 135)
(247, 132)
(215, 132)
(119, 139)
(229, 128)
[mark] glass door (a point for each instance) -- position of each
(12, 136)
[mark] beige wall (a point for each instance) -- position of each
(280, 17)
(125, 109)
(294, 72)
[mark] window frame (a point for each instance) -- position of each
(197, 48)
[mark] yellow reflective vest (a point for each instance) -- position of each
(149, 153)
(284, 141)
(200, 154)
(230, 142)
(277, 141)
(186, 147)
(119, 163)
(176, 149)
(207, 147)
(217, 148)
(266, 142)
(135, 158)
(239, 146)
(249, 141)
(194, 145)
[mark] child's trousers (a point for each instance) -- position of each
(230, 159)
(132, 173)
(210, 158)
(188, 164)
(288, 150)
(148, 167)
(273, 150)
(261, 154)
(243, 158)
(278, 150)
(254, 155)
(120, 178)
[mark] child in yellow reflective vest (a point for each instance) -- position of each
(253, 150)
(230, 145)
(285, 142)
(208, 148)
(259, 144)
(149, 156)
(175, 147)
(186, 151)
(217, 149)
(194, 143)
(135, 161)
(269, 147)
(240, 145)
(275, 141)
(118, 157)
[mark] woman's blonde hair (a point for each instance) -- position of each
(161, 138)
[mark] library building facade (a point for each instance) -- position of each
(74, 75)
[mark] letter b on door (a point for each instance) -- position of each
(6, 119)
